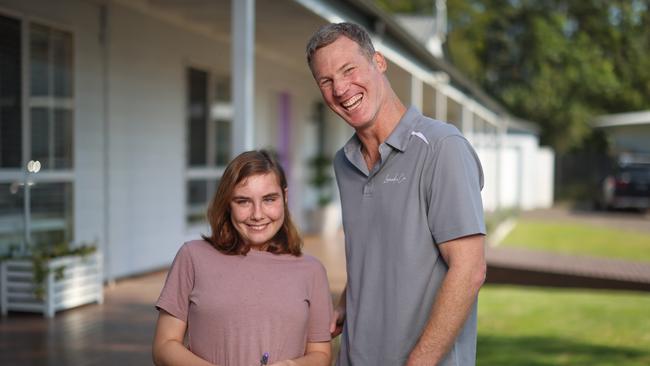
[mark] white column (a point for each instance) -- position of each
(502, 130)
(416, 92)
(441, 105)
(243, 74)
(467, 123)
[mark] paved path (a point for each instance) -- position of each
(531, 267)
(537, 268)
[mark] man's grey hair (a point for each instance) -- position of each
(329, 33)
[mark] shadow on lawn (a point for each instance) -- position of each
(547, 351)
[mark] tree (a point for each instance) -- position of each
(556, 62)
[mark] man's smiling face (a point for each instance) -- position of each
(351, 84)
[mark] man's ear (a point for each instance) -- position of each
(286, 197)
(380, 61)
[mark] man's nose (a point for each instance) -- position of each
(340, 87)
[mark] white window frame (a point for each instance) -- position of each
(19, 175)
(211, 171)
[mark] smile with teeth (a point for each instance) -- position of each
(257, 227)
(353, 102)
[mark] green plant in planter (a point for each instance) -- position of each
(321, 178)
(39, 255)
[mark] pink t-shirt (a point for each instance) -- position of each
(238, 307)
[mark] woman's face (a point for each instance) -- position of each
(257, 209)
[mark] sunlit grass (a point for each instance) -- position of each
(533, 326)
(580, 239)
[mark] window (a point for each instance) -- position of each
(50, 99)
(11, 216)
(36, 125)
(10, 94)
(209, 116)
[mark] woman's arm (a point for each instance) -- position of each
(317, 354)
(168, 347)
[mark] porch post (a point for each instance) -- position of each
(467, 123)
(441, 105)
(243, 74)
(416, 92)
(502, 130)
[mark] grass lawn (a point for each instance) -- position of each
(534, 327)
(580, 239)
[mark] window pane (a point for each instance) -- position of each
(40, 60)
(63, 139)
(222, 114)
(222, 90)
(11, 216)
(223, 143)
(41, 136)
(51, 77)
(62, 63)
(51, 213)
(197, 117)
(10, 94)
(199, 193)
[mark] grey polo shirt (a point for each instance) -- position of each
(424, 191)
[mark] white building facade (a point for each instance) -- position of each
(133, 108)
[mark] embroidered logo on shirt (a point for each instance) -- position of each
(395, 178)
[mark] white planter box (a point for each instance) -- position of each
(80, 284)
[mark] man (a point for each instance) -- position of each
(412, 216)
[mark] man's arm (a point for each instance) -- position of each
(466, 260)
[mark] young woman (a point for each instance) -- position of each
(245, 292)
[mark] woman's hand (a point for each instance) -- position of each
(317, 354)
(283, 363)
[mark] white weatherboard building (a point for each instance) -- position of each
(133, 107)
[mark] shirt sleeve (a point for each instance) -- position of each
(175, 295)
(320, 307)
(455, 208)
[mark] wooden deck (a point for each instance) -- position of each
(119, 332)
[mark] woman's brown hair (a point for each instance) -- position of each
(224, 237)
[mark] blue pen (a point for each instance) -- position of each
(265, 359)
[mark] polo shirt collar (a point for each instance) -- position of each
(401, 135)
(398, 139)
(352, 150)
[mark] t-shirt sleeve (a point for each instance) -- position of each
(175, 295)
(320, 307)
(455, 208)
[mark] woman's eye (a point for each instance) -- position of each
(270, 199)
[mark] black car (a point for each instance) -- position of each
(628, 187)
